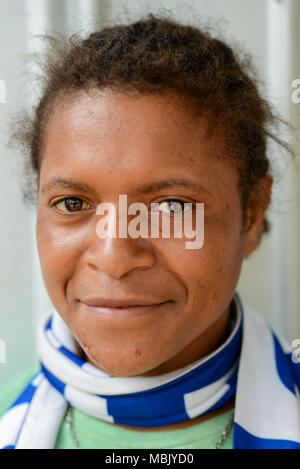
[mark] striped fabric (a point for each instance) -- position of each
(253, 363)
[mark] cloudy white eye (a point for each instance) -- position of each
(173, 206)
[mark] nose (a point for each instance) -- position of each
(117, 256)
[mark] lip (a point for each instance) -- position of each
(120, 303)
(126, 311)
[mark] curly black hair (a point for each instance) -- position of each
(159, 55)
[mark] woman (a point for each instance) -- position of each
(148, 344)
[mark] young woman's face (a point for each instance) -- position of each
(95, 148)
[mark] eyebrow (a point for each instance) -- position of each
(145, 189)
(66, 184)
(155, 186)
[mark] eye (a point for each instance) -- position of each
(174, 205)
(71, 204)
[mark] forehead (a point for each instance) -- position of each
(124, 135)
(166, 119)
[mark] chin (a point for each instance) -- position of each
(120, 364)
(120, 371)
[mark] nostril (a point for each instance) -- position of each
(93, 267)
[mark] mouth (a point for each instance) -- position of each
(125, 310)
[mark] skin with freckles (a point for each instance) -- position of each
(106, 144)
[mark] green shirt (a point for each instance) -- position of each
(92, 433)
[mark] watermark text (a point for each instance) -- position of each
(162, 222)
(2, 352)
(2, 91)
(295, 96)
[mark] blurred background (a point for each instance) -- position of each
(267, 29)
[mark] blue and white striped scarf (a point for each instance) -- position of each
(253, 363)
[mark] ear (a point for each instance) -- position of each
(258, 203)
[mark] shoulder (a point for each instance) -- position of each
(10, 390)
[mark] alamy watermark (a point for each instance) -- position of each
(296, 351)
(139, 226)
(2, 352)
(2, 91)
(295, 96)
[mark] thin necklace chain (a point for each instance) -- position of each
(223, 437)
(225, 432)
(70, 427)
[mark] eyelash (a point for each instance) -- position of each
(184, 209)
(83, 202)
(64, 201)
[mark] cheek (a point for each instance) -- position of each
(211, 272)
(223, 249)
(59, 249)
(223, 242)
